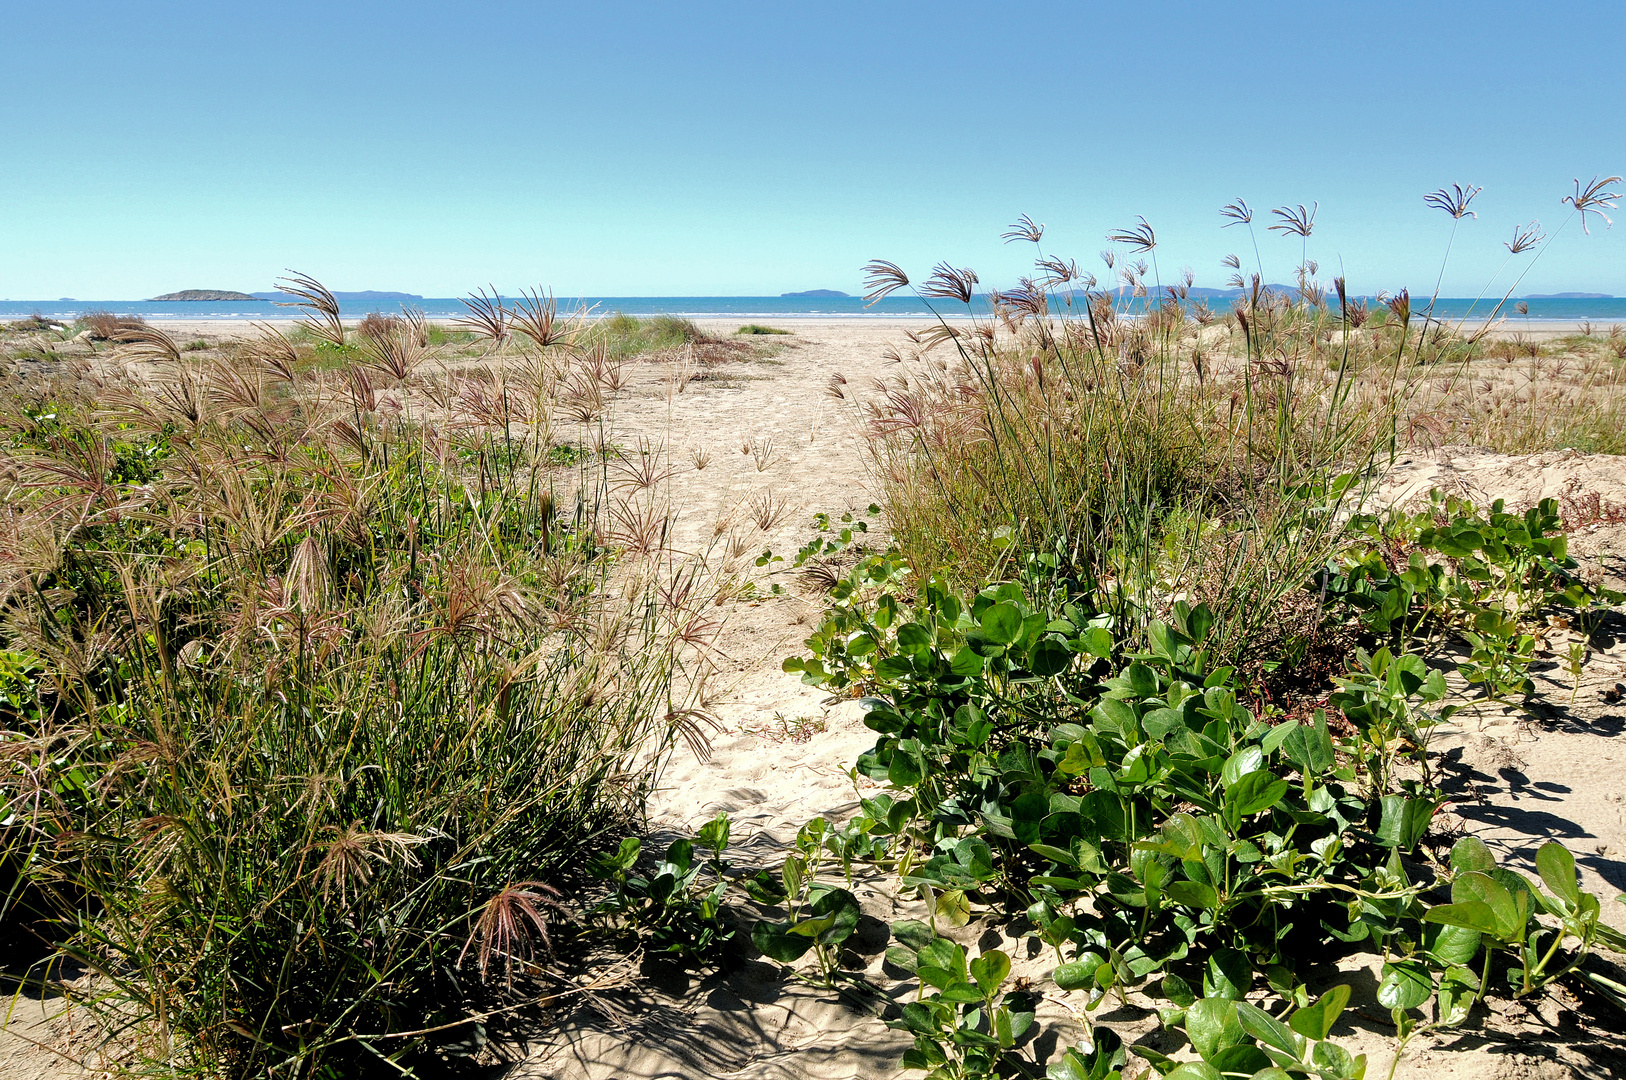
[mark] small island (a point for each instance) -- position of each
(815, 294)
(202, 295)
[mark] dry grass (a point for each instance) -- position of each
(378, 325)
(106, 326)
(334, 671)
(1139, 445)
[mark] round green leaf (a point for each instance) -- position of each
(1192, 894)
(1077, 975)
(1267, 1029)
(1050, 657)
(954, 906)
(1178, 991)
(1001, 623)
(1557, 868)
(1097, 641)
(1457, 989)
(1255, 793)
(1228, 975)
(1244, 761)
(1334, 1060)
(774, 941)
(1475, 915)
(1241, 1060)
(1453, 944)
(913, 638)
(1406, 985)
(990, 969)
(1212, 1025)
(1486, 890)
(1142, 679)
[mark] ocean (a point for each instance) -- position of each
(1602, 311)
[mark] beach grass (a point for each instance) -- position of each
(326, 688)
(630, 335)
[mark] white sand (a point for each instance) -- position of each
(784, 750)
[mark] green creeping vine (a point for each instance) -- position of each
(819, 917)
(1118, 799)
(1234, 1038)
(673, 911)
(964, 1025)
(1498, 575)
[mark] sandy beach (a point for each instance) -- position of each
(769, 542)
(738, 433)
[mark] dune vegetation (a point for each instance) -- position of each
(338, 666)
(319, 669)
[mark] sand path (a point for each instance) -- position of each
(785, 750)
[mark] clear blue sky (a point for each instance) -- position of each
(718, 148)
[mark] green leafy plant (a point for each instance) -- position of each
(1510, 915)
(827, 540)
(1501, 572)
(819, 917)
(962, 1023)
(1233, 1037)
(1103, 1060)
(1387, 697)
(673, 910)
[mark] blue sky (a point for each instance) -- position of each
(754, 148)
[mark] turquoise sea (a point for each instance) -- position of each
(1602, 311)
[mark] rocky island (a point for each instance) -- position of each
(201, 295)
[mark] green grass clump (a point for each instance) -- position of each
(42, 350)
(1177, 453)
(440, 335)
(317, 717)
(625, 335)
(753, 328)
(1149, 479)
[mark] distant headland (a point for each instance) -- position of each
(1570, 296)
(203, 295)
(365, 296)
(815, 294)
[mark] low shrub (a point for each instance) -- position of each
(33, 324)
(1121, 802)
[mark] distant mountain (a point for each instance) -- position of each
(366, 296)
(1197, 292)
(1570, 296)
(815, 294)
(203, 294)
